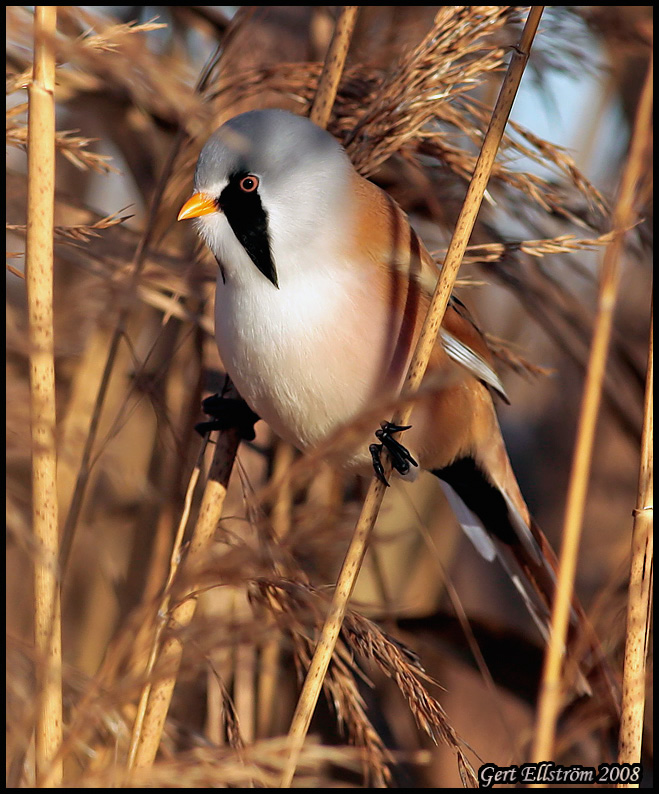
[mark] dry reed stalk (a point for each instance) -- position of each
(639, 606)
(267, 685)
(188, 411)
(147, 734)
(138, 263)
(163, 610)
(244, 673)
(333, 66)
(281, 523)
(292, 603)
(39, 281)
(428, 336)
(282, 505)
(74, 424)
(623, 218)
(140, 738)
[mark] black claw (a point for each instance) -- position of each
(228, 413)
(400, 455)
(376, 451)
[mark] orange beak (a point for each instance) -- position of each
(199, 204)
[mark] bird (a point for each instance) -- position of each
(322, 289)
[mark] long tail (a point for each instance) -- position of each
(500, 528)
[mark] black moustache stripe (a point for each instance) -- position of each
(249, 222)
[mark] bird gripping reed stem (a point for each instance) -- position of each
(355, 554)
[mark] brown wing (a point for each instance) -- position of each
(385, 236)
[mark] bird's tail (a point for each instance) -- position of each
(497, 522)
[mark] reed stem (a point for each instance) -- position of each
(551, 690)
(148, 731)
(333, 66)
(39, 282)
(357, 549)
(639, 607)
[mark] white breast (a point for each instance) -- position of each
(304, 356)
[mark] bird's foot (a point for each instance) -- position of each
(228, 413)
(400, 455)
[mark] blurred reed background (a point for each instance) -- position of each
(130, 283)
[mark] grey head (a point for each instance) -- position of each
(275, 177)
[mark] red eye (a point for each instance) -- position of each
(249, 183)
